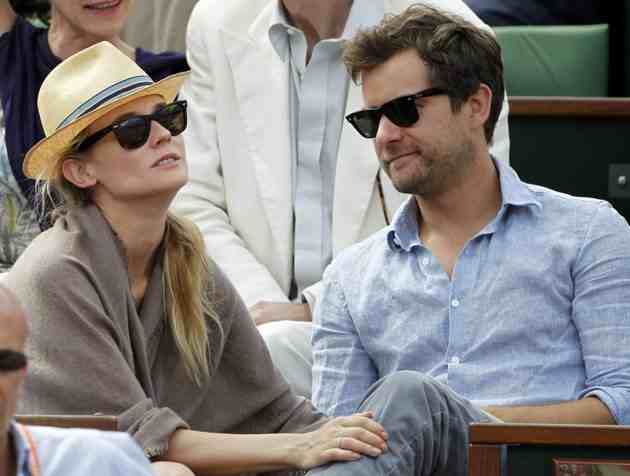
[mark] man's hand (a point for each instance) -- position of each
(265, 311)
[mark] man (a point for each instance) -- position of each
(278, 182)
(30, 451)
(158, 25)
(510, 295)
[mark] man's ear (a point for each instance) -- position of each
(79, 173)
(480, 104)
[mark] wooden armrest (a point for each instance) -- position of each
(97, 422)
(569, 106)
(545, 434)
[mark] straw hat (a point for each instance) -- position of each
(83, 88)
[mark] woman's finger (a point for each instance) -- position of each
(361, 434)
(358, 446)
(363, 422)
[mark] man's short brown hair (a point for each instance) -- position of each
(458, 55)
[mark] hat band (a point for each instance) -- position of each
(113, 91)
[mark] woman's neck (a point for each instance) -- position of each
(140, 228)
(64, 40)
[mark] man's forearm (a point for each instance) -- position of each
(588, 410)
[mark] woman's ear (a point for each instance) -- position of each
(78, 173)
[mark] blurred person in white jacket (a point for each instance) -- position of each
(279, 182)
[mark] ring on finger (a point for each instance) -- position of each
(339, 441)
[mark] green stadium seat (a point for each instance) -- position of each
(555, 60)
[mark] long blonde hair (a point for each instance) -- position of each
(186, 278)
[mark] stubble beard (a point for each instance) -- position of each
(433, 173)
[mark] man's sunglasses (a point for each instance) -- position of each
(134, 131)
(11, 360)
(402, 111)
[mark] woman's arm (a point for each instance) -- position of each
(7, 16)
(341, 439)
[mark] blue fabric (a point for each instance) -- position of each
(537, 311)
(25, 60)
(63, 452)
(540, 12)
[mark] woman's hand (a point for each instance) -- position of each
(341, 439)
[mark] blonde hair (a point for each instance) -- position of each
(186, 278)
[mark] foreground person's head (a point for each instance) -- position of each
(13, 333)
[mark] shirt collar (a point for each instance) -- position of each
(363, 14)
(22, 451)
(403, 232)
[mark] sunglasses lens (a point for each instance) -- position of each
(173, 117)
(366, 122)
(402, 111)
(11, 360)
(133, 132)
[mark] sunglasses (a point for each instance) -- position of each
(402, 111)
(134, 131)
(11, 360)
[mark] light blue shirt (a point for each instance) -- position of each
(317, 99)
(537, 310)
(63, 452)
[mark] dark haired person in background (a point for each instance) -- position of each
(540, 12)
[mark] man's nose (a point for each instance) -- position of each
(387, 131)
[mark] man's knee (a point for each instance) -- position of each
(287, 337)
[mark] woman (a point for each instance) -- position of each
(128, 316)
(27, 55)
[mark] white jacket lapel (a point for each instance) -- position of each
(264, 115)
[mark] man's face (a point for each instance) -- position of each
(12, 339)
(430, 156)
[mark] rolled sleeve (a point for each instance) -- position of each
(342, 369)
(151, 427)
(601, 310)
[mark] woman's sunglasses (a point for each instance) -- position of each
(134, 131)
(402, 111)
(11, 360)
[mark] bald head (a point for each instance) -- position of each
(13, 325)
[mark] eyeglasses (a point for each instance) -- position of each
(402, 111)
(11, 360)
(134, 131)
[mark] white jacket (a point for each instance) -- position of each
(238, 149)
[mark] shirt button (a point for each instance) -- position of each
(455, 302)
(425, 261)
(455, 360)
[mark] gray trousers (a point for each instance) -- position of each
(426, 421)
(427, 425)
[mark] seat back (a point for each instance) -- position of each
(555, 60)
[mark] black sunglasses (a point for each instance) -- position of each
(134, 131)
(11, 360)
(402, 111)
